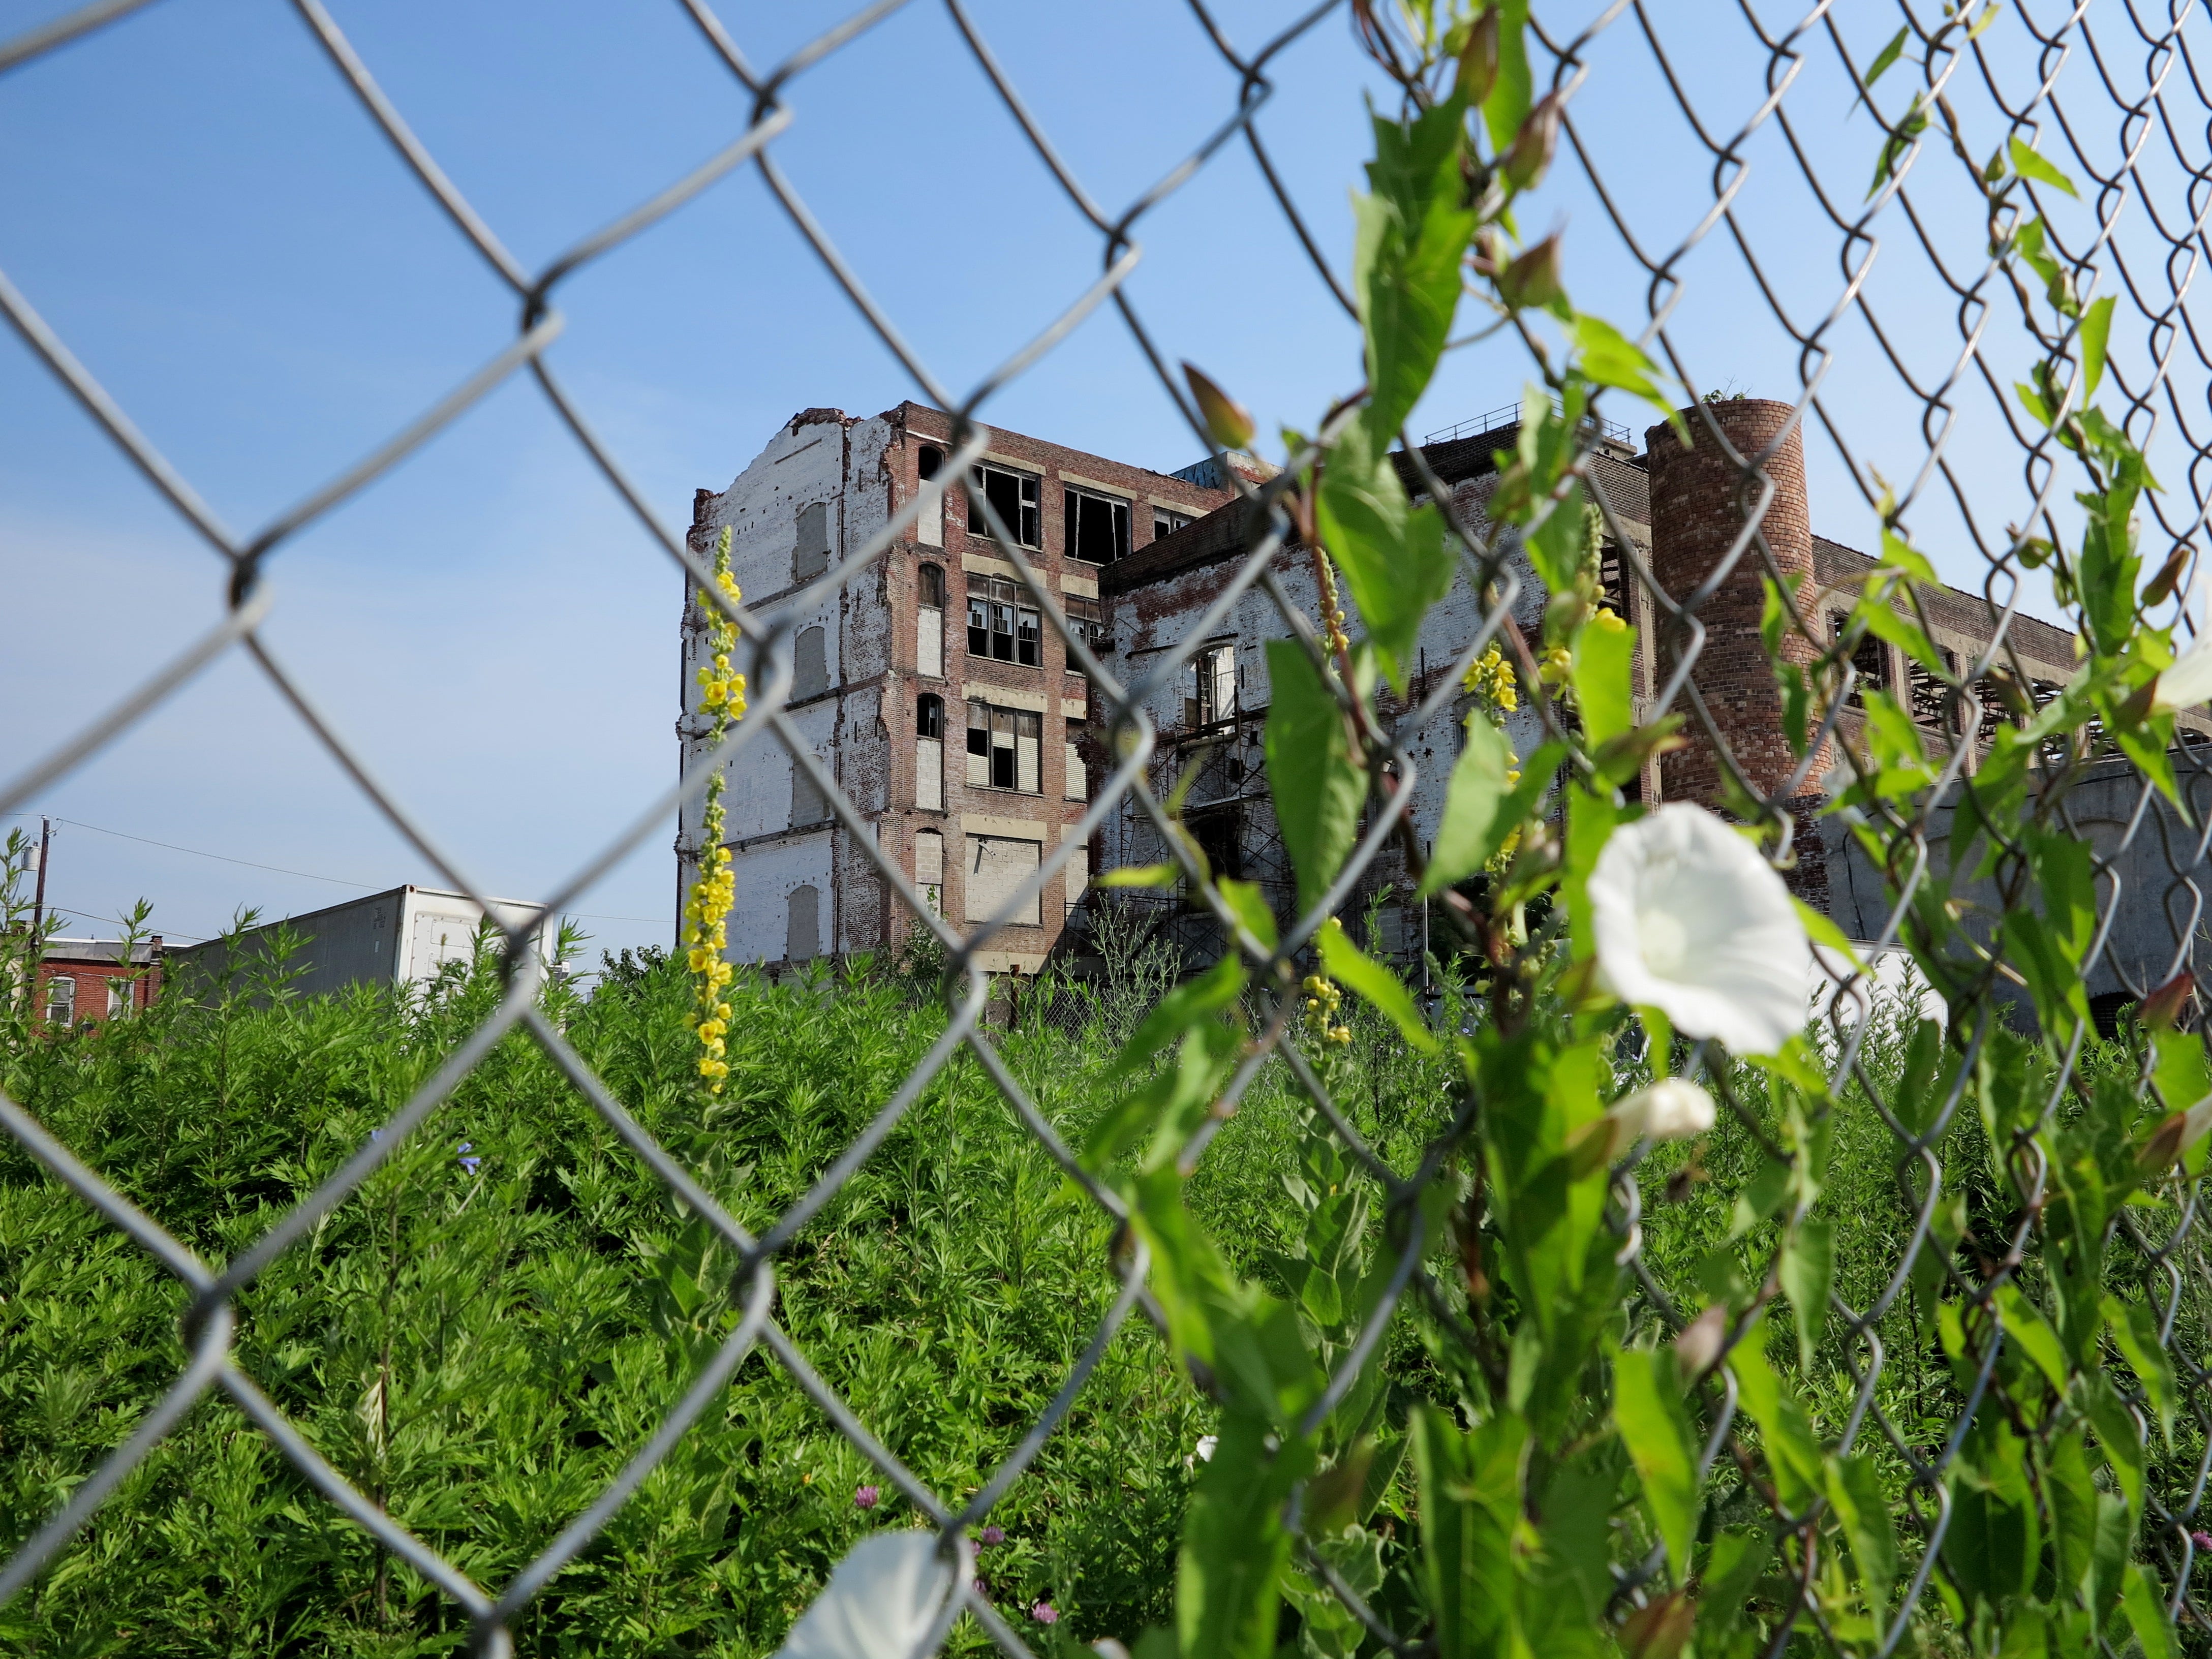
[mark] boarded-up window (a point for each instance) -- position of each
(997, 865)
(929, 529)
(810, 552)
(808, 805)
(810, 664)
(1076, 875)
(802, 926)
(929, 867)
(1076, 786)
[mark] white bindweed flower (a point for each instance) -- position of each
(1691, 921)
(1670, 1109)
(878, 1604)
(2188, 682)
(1204, 1454)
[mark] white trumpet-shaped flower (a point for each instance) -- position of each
(1672, 1108)
(1690, 920)
(879, 1602)
(2188, 682)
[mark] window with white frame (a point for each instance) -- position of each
(1166, 521)
(1012, 496)
(1214, 693)
(61, 999)
(1003, 747)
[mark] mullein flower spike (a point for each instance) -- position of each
(706, 910)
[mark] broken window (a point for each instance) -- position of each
(1004, 745)
(1930, 693)
(1215, 670)
(1077, 784)
(1219, 835)
(1166, 523)
(997, 867)
(929, 622)
(1012, 496)
(929, 523)
(1097, 527)
(1086, 620)
(929, 751)
(1001, 628)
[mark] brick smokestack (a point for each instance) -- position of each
(1699, 501)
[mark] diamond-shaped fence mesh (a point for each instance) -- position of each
(2110, 92)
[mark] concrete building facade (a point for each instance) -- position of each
(928, 687)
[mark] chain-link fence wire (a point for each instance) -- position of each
(2120, 90)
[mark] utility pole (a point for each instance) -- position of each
(39, 911)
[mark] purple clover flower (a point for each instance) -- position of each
(866, 1498)
(1045, 1613)
(2201, 1540)
(993, 1536)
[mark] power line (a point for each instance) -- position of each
(278, 869)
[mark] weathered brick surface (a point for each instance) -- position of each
(1701, 499)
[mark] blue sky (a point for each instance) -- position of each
(195, 202)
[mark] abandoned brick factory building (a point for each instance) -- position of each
(931, 691)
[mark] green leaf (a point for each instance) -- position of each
(1188, 1004)
(1250, 904)
(1855, 1491)
(1228, 1575)
(1470, 1492)
(1395, 560)
(1346, 961)
(1512, 93)
(2027, 163)
(1559, 546)
(1884, 59)
(2096, 329)
(1609, 357)
(1647, 1409)
(1140, 875)
(1902, 631)
(1807, 1267)
(1411, 231)
(2027, 1330)
(1480, 811)
(1604, 660)
(2146, 1612)
(1318, 791)
(2117, 1434)
(1792, 1456)
(2135, 1327)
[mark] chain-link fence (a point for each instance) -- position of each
(2110, 93)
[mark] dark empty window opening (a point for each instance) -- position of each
(1166, 523)
(1867, 659)
(932, 587)
(1612, 579)
(1097, 527)
(929, 461)
(929, 715)
(1003, 748)
(1218, 835)
(1001, 628)
(1012, 496)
